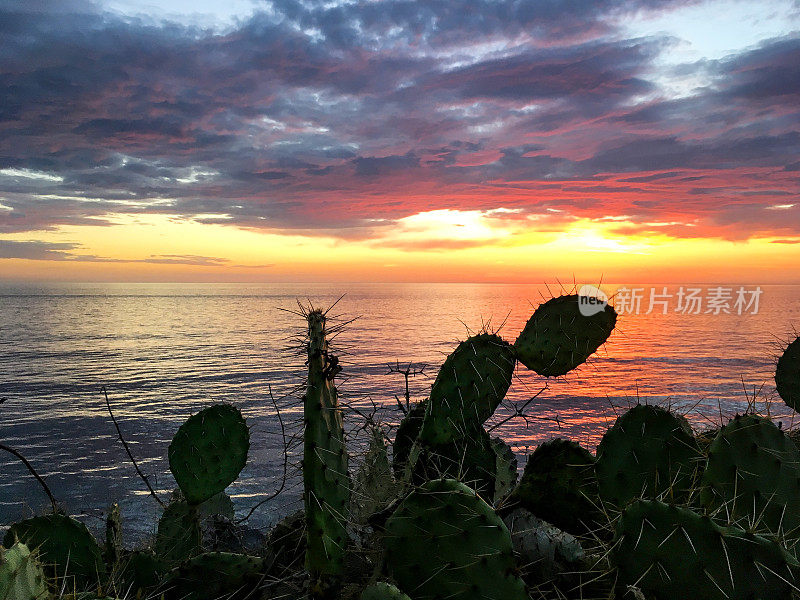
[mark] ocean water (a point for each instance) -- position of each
(165, 351)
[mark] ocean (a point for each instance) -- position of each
(165, 351)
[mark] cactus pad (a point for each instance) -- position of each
(471, 383)
(557, 338)
(62, 542)
(383, 591)
(21, 575)
(217, 575)
(753, 474)
(559, 486)
(178, 537)
(648, 452)
(471, 460)
(787, 375)
(209, 451)
(406, 435)
(670, 552)
(443, 541)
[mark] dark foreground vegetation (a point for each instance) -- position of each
(659, 512)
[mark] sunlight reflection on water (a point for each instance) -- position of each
(165, 351)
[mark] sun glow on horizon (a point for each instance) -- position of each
(441, 245)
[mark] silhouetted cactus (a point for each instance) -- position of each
(671, 552)
(325, 466)
(64, 545)
(559, 485)
(443, 541)
(648, 453)
(787, 375)
(558, 337)
(470, 385)
(209, 451)
(753, 477)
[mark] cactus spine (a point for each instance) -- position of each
(325, 477)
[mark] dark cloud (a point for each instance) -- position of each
(338, 119)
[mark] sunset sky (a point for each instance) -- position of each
(398, 140)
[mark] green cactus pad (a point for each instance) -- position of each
(471, 383)
(217, 575)
(21, 575)
(383, 591)
(178, 537)
(443, 541)
(671, 552)
(209, 451)
(559, 485)
(557, 338)
(787, 375)
(753, 476)
(505, 471)
(649, 452)
(407, 434)
(63, 543)
(471, 460)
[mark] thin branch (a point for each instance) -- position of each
(34, 473)
(130, 454)
(285, 461)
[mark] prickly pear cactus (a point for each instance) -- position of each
(753, 477)
(325, 462)
(471, 460)
(374, 485)
(558, 337)
(787, 375)
(471, 383)
(217, 575)
(559, 485)
(383, 591)
(407, 434)
(648, 452)
(671, 552)
(64, 544)
(209, 451)
(443, 541)
(178, 537)
(21, 575)
(113, 535)
(505, 470)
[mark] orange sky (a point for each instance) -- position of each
(471, 247)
